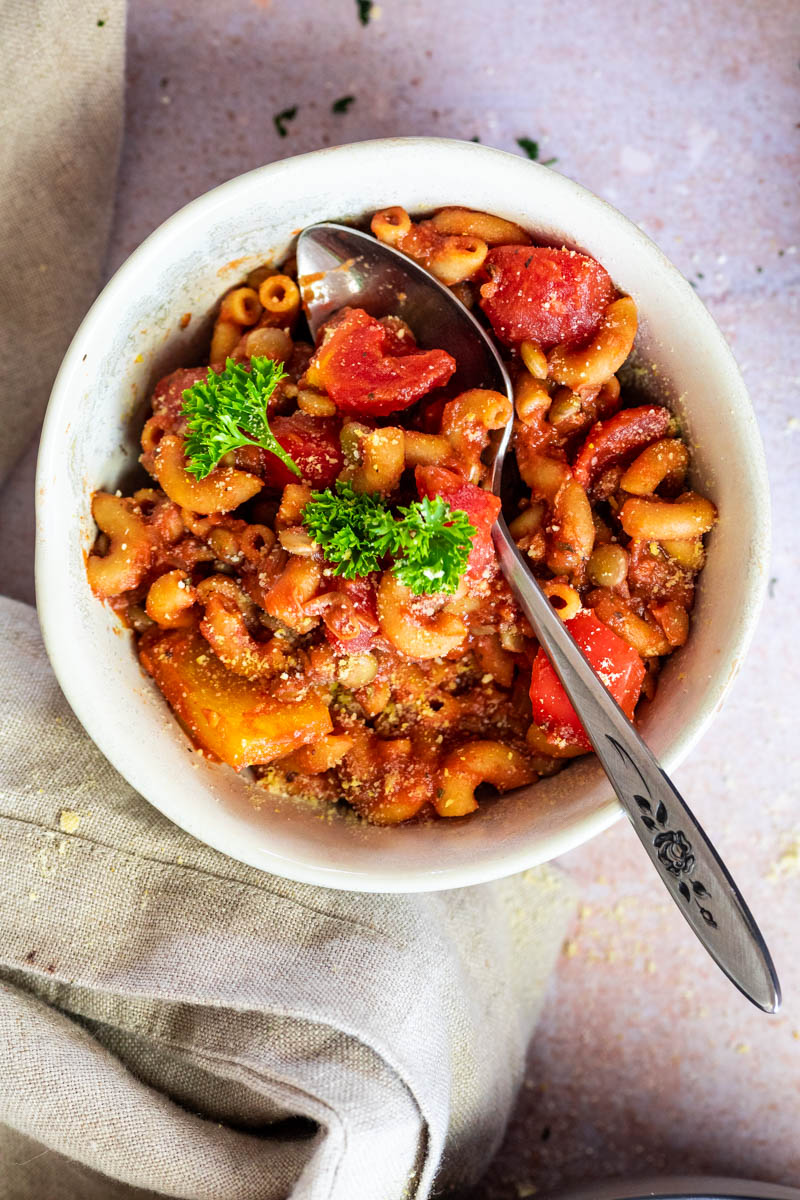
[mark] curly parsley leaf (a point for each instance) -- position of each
(229, 410)
(354, 529)
(432, 546)
(429, 541)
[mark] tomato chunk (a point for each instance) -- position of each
(365, 371)
(616, 439)
(481, 507)
(312, 442)
(233, 719)
(549, 296)
(615, 662)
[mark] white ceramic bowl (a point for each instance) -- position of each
(132, 336)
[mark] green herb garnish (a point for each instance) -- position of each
(342, 104)
(531, 148)
(364, 11)
(229, 410)
(354, 529)
(432, 543)
(429, 541)
(280, 119)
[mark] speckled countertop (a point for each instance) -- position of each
(685, 116)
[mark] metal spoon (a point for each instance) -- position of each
(340, 266)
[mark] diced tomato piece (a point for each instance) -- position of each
(481, 507)
(359, 366)
(233, 719)
(312, 442)
(614, 662)
(363, 594)
(612, 441)
(549, 296)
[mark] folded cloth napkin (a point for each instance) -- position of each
(174, 1023)
(188, 1026)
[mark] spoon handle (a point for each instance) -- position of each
(689, 866)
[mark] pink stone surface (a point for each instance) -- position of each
(684, 115)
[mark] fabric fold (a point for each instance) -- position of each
(283, 1039)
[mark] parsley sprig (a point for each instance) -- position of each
(432, 545)
(354, 529)
(229, 410)
(428, 540)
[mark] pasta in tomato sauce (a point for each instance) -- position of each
(329, 654)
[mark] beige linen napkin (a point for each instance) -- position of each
(174, 1023)
(189, 1026)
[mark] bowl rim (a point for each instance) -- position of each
(49, 600)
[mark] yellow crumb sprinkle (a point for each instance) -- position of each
(69, 821)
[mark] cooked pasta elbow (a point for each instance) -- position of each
(564, 599)
(532, 401)
(427, 449)
(467, 421)
(466, 222)
(391, 225)
(456, 258)
(410, 625)
(383, 460)
(225, 488)
(688, 517)
(473, 764)
(534, 358)
(280, 297)
(591, 365)
(571, 531)
(294, 587)
(223, 626)
(667, 458)
(224, 340)
(170, 600)
(646, 638)
(127, 560)
(241, 306)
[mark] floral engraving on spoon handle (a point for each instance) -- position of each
(672, 846)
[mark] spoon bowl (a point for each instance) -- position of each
(339, 266)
